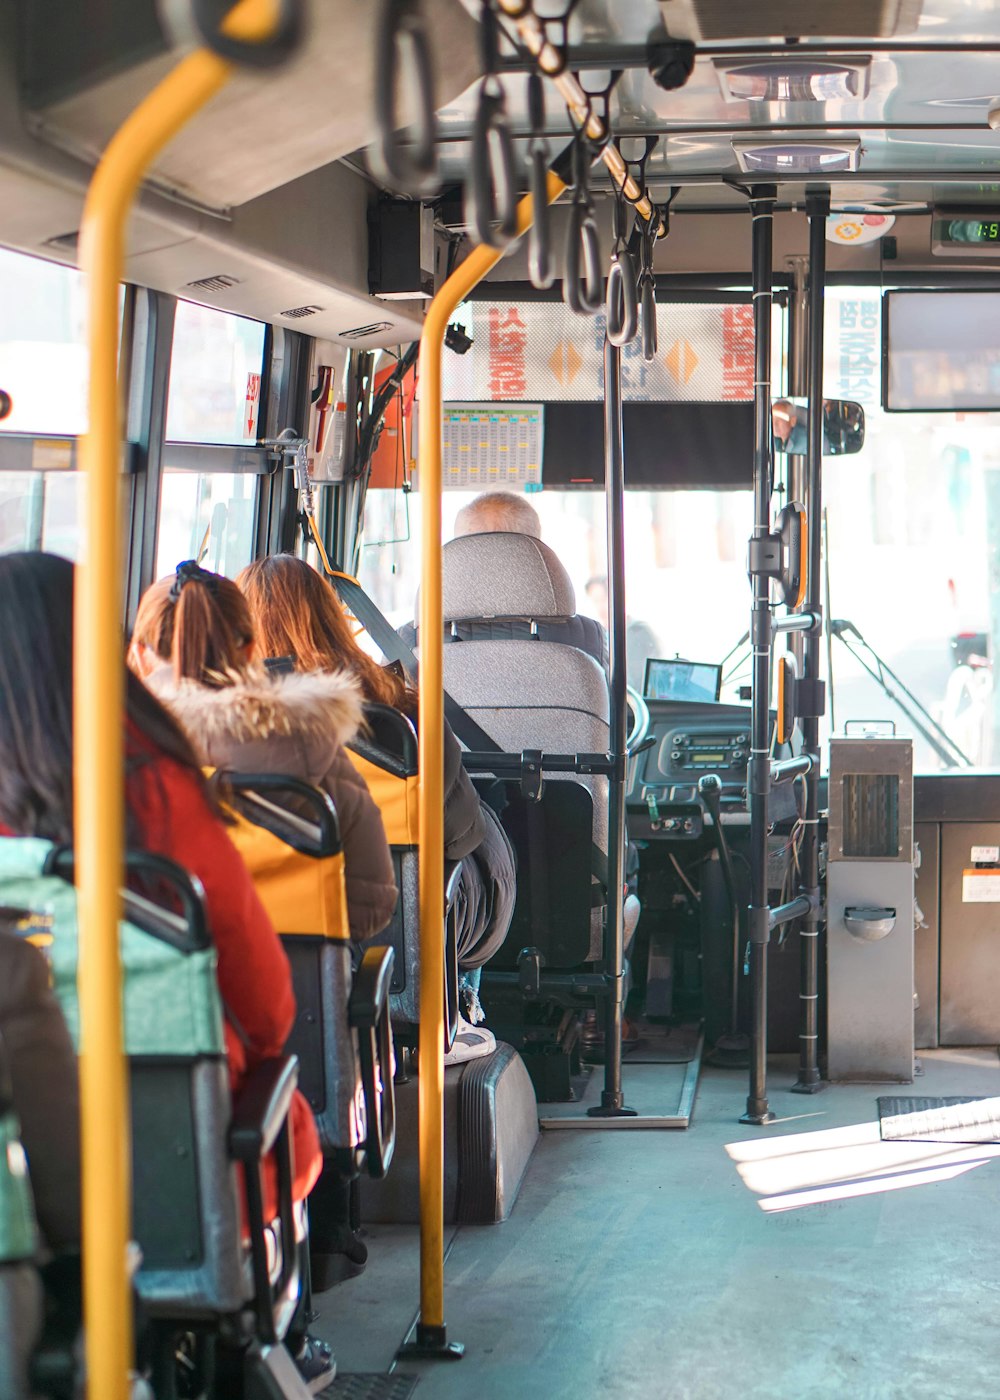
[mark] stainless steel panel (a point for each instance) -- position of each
(870, 984)
(926, 941)
(970, 943)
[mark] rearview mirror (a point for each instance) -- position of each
(843, 426)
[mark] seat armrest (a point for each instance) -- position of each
(368, 1014)
(370, 992)
(452, 879)
(261, 1108)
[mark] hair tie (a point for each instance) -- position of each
(190, 571)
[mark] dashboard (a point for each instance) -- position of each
(690, 739)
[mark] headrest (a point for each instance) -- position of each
(503, 575)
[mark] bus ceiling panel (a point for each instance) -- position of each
(261, 284)
(83, 68)
(902, 89)
(825, 21)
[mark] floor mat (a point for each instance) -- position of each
(939, 1120)
(372, 1386)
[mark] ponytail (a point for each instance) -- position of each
(199, 623)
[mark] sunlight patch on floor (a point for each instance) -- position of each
(835, 1164)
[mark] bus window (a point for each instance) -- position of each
(908, 523)
(41, 510)
(215, 375)
(685, 559)
(209, 517)
(43, 357)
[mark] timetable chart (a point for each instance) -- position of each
(492, 445)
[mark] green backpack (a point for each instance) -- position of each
(171, 1001)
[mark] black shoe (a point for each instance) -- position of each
(347, 1259)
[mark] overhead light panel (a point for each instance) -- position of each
(799, 79)
(704, 21)
(797, 157)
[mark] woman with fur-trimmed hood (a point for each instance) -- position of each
(193, 644)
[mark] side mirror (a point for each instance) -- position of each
(843, 426)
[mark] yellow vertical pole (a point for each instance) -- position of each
(98, 768)
(431, 1334)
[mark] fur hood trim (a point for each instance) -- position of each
(311, 707)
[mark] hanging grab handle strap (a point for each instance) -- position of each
(583, 285)
(622, 298)
(541, 263)
(491, 189)
(410, 165)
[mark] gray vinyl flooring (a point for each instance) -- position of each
(801, 1261)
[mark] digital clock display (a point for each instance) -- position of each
(958, 231)
(973, 231)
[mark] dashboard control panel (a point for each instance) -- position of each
(692, 739)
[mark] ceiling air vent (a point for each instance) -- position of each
(376, 328)
(794, 79)
(219, 283)
(298, 312)
(65, 241)
(797, 157)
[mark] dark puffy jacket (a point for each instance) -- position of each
(297, 724)
(584, 633)
(464, 823)
(42, 1065)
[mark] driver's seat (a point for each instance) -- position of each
(534, 694)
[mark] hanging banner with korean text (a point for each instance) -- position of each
(541, 352)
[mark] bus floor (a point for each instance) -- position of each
(805, 1259)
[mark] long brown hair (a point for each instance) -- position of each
(199, 622)
(296, 613)
(36, 708)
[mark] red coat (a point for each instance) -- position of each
(254, 977)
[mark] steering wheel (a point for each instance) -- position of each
(640, 719)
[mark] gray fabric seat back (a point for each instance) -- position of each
(503, 575)
(525, 694)
(538, 695)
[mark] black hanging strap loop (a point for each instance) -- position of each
(647, 285)
(599, 101)
(198, 21)
(636, 169)
(560, 44)
(407, 163)
(649, 337)
(622, 299)
(583, 286)
(489, 41)
(536, 107)
(622, 295)
(491, 189)
(541, 263)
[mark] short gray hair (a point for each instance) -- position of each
(498, 511)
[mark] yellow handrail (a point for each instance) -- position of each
(98, 767)
(431, 744)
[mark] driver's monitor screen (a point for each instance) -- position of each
(682, 680)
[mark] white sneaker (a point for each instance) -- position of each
(473, 1007)
(471, 1043)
